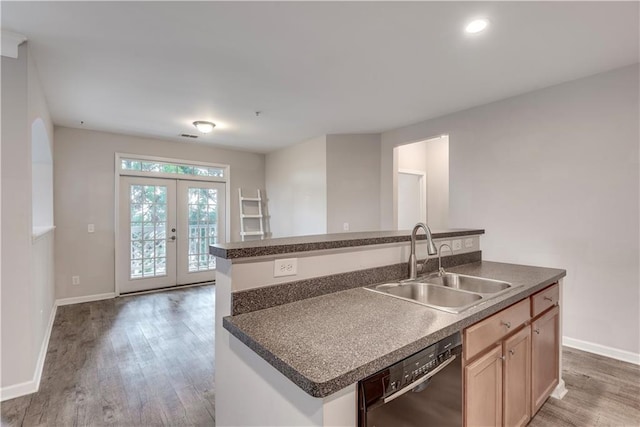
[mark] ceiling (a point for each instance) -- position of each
(310, 68)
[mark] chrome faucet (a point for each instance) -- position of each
(431, 249)
(441, 271)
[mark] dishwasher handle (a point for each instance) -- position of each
(419, 381)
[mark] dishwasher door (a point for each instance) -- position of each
(439, 404)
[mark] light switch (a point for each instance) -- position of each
(91, 228)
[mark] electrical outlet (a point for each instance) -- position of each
(345, 226)
(457, 245)
(468, 243)
(285, 267)
(75, 280)
(91, 228)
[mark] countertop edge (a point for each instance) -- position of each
(260, 248)
(326, 388)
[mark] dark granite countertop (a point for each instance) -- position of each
(285, 245)
(326, 343)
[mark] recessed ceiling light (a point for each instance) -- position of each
(476, 26)
(204, 127)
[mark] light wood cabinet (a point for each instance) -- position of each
(517, 379)
(512, 361)
(483, 390)
(492, 329)
(545, 346)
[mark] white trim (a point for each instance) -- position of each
(85, 298)
(17, 390)
(28, 387)
(423, 191)
(602, 350)
(39, 232)
(560, 391)
(45, 346)
(120, 171)
(10, 43)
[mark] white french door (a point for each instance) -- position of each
(165, 229)
(201, 219)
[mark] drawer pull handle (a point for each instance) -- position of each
(502, 358)
(511, 352)
(548, 299)
(537, 331)
(507, 324)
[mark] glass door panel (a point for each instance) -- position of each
(146, 255)
(201, 212)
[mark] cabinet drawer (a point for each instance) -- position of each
(481, 335)
(545, 299)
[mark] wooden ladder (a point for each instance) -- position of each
(246, 202)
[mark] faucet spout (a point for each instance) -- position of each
(441, 271)
(431, 248)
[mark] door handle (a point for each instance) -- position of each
(171, 239)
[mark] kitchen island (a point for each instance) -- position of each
(291, 352)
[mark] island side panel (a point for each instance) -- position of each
(561, 390)
(249, 391)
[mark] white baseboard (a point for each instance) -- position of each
(28, 387)
(602, 350)
(86, 298)
(17, 390)
(45, 347)
(560, 391)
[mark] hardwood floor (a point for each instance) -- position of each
(138, 360)
(602, 392)
(149, 360)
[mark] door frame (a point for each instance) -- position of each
(423, 193)
(121, 172)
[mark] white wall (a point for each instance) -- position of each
(553, 177)
(353, 182)
(432, 158)
(27, 277)
(42, 176)
(296, 184)
(84, 193)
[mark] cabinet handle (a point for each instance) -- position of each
(548, 299)
(511, 352)
(502, 358)
(537, 331)
(507, 324)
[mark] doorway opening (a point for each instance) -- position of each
(168, 213)
(421, 172)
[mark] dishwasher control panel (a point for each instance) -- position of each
(401, 374)
(420, 364)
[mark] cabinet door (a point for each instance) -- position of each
(517, 379)
(483, 390)
(545, 353)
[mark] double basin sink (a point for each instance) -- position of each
(451, 292)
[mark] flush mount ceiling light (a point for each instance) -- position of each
(204, 127)
(476, 26)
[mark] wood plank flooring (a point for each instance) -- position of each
(602, 392)
(134, 361)
(149, 360)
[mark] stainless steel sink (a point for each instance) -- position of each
(469, 283)
(435, 296)
(453, 293)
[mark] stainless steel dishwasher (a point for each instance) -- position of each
(423, 390)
